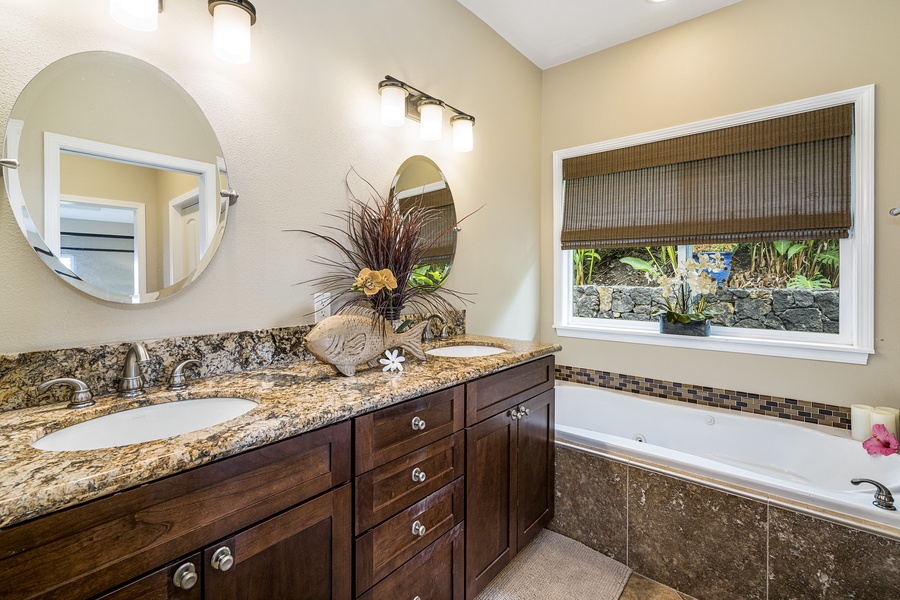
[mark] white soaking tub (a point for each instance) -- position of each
(761, 456)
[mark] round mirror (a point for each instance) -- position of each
(119, 178)
(419, 182)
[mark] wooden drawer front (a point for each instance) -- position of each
(392, 543)
(388, 434)
(435, 573)
(101, 544)
(496, 393)
(385, 491)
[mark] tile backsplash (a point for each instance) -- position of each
(774, 406)
(100, 366)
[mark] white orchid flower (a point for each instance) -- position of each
(393, 362)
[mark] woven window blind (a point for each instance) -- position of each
(441, 203)
(781, 179)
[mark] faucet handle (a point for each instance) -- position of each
(883, 497)
(81, 396)
(445, 333)
(177, 380)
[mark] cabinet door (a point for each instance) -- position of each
(491, 468)
(536, 472)
(301, 554)
(160, 585)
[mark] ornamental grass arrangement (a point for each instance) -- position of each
(684, 291)
(379, 247)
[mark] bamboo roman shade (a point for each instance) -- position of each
(781, 179)
(444, 218)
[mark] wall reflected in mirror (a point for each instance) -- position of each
(420, 183)
(118, 189)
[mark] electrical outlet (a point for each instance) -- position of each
(322, 306)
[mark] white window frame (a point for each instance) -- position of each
(856, 340)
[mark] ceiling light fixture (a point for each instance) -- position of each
(232, 20)
(140, 15)
(401, 101)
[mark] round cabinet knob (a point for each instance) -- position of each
(418, 424)
(418, 529)
(418, 475)
(512, 414)
(222, 559)
(417, 598)
(523, 412)
(185, 576)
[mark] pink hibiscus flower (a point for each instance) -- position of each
(882, 442)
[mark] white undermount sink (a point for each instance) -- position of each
(466, 351)
(145, 424)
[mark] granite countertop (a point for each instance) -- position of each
(301, 397)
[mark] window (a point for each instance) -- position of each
(787, 294)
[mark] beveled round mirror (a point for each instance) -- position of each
(419, 182)
(119, 178)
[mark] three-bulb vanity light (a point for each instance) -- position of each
(400, 101)
(232, 20)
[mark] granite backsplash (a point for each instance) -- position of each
(100, 366)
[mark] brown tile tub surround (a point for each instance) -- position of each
(715, 545)
(293, 399)
(817, 413)
(99, 366)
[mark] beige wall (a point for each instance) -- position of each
(753, 54)
(291, 124)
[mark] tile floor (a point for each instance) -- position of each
(641, 588)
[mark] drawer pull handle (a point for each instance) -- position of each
(418, 475)
(418, 424)
(222, 559)
(523, 412)
(417, 598)
(186, 576)
(418, 529)
(512, 414)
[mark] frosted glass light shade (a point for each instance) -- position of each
(432, 116)
(463, 139)
(141, 15)
(393, 106)
(231, 33)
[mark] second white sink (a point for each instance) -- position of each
(466, 351)
(145, 424)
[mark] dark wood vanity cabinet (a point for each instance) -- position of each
(263, 505)
(509, 467)
(446, 489)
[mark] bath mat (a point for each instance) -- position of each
(554, 567)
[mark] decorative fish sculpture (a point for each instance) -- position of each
(358, 335)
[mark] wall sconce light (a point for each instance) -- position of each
(232, 20)
(140, 15)
(401, 101)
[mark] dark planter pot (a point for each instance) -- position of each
(695, 328)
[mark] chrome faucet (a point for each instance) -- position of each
(131, 383)
(445, 334)
(883, 497)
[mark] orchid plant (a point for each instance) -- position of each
(684, 291)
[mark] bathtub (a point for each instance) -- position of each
(779, 461)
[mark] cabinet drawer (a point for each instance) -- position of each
(101, 544)
(160, 585)
(390, 488)
(389, 433)
(395, 541)
(496, 393)
(435, 573)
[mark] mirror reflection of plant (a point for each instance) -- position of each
(430, 275)
(378, 236)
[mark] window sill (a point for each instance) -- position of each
(721, 341)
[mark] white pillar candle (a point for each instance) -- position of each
(860, 421)
(885, 416)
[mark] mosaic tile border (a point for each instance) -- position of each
(99, 366)
(829, 415)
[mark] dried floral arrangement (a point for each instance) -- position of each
(379, 247)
